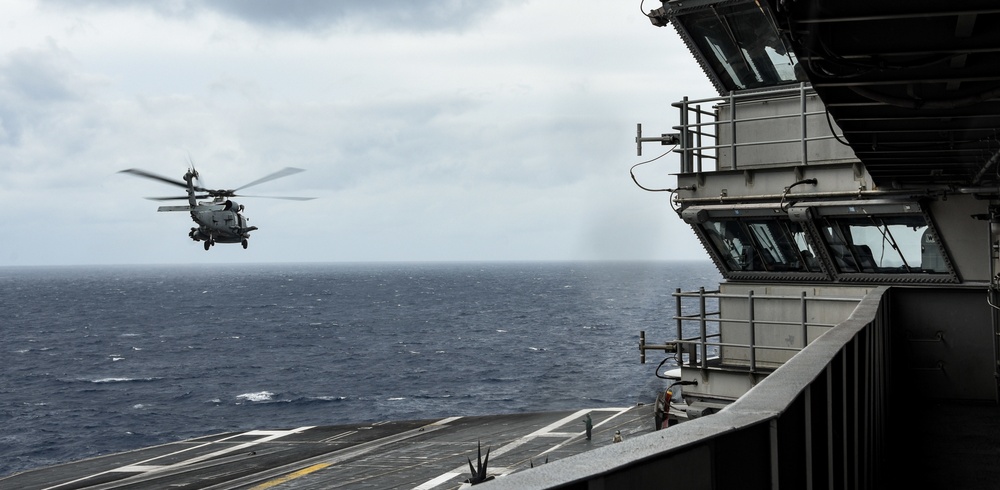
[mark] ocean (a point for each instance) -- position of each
(105, 359)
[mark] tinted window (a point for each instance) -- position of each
(765, 245)
(883, 244)
(741, 46)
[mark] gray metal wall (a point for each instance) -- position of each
(945, 343)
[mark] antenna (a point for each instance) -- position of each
(664, 139)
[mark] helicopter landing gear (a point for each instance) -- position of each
(245, 243)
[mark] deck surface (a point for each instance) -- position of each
(427, 454)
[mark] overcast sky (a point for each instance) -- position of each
(457, 130)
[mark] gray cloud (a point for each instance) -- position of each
(33, 84)
(317, 15)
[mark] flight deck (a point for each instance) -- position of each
(423, 454)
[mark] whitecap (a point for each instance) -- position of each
(138, 406)
(260, 396)
(396, 399)
(113, 359)
(120, 380)
(331, 398)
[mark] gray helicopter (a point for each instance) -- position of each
(220, 220)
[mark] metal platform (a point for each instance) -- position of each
(428, 454)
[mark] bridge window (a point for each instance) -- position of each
(883, 244)
(761, 245)
(741, 46)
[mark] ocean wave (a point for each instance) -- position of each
(268, 398)
(429, 396)
(25, 351)
(309, 400)
(121, 380)
(257, 396)
(327, 398)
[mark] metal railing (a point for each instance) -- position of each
(693, 351)
(818, 421)
(699, 128)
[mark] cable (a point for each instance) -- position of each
(676, 382)
(631, 172)
(682, 383)
(829, 122)
(781, 204)
(641, 2)
(657, 371)
(674, 205)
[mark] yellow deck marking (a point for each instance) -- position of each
(291, 476)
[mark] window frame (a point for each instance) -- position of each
(812, 220)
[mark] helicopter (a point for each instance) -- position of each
(220, 220)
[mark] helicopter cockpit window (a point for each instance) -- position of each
(761, 245)
(883, 244)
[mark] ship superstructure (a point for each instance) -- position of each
(844, 179)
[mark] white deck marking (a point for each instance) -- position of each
(269, 435)
(561, 444)
(547, 431)
(339, 436)
(436, 481)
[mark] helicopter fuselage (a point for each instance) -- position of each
(220, 222)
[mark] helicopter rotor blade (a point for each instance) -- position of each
(285, 172)
(149, 175)
(287, 198)
(178, 198)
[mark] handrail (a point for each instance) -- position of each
(693, 153)
(696, 348)
(800, 427)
